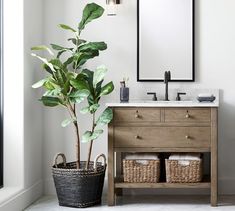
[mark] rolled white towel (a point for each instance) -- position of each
(142, 156)
(205, 95)
(186, 156)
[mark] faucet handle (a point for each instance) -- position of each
(154, 95)
(178, 98)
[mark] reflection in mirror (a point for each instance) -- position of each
(165, 40)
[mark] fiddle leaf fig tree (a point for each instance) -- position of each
(68, 84)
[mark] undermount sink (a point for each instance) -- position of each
(168, 102)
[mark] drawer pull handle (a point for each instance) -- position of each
(187, 137)
(137, 137)
(187, 116)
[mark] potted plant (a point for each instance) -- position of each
(79, 183)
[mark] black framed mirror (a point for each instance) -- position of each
(165, 40)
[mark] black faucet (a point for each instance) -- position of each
(178, 98)
(167, 78)
(154, 95)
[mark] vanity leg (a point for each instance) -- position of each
(111, 188)
(214, 157)
(119, 157)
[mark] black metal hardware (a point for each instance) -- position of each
(154, 95)
(167, 78)
(178, 98)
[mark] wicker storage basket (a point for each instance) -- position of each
(79, 187)
(183, 171)
(142, 171)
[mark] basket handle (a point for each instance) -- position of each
(97, 158)
(56, 159)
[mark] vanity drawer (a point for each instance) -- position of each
(137, 115)
(162, 137)
(187, 115)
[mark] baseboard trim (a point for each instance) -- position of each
(24, 198)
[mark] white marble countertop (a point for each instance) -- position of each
(139, 103)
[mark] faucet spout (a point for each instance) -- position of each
(167, 78)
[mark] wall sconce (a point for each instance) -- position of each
(112, 7)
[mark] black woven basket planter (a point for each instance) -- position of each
(79, 187)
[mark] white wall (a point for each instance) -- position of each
(215, 66)
(22, 113)
(33, 135)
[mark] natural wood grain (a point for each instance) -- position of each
(137, 115)
(162, 137)
(214, 156)
(111, 195)
(118, 162)
(187, 115)
(162, 149)
(163, 185)
(162, 130)
(162, 124)
(162, 115)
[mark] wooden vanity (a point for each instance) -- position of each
(154, 128)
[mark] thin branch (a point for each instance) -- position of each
(91, 142)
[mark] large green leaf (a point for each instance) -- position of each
(99, 74)
(57, 64)
(91, 11)
(66, 88)
(98, 90)
(40, 83)
(49, 65)
(57, 47)
(80, 93)
(91, 101)
(88, 135)
(78, 96)
(93, 46)
(48, 86)
(68, 61)
(81, 57)
(79, 84)
(47, 68)
(42, 47)
(52, 92)
(107, 89)
(50, 101)
(61, 49)
(96, 134)
(60, 53)
(105, 117)
(75, 42)
(66, 27)
(93, 108)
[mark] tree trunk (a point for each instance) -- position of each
(77, 146)
(91, 143)
(89, 154)
(72, 112)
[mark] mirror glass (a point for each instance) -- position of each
(165, 40)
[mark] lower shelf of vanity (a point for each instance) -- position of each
(118, 183)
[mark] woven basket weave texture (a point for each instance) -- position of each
(141, 171)
(179, 172)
